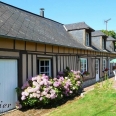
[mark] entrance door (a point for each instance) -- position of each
(97, 69)
(8, 83)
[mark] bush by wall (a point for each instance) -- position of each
(42, 90)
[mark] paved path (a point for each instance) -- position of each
(43, 112)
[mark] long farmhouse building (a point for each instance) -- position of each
(31, 44)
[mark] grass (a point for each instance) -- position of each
(99, 102)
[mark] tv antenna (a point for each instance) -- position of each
(106, 21)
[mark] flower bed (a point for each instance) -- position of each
(86, 75)
(105, 71)
(41, 90)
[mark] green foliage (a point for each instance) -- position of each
(66, 71)
(18, 90)
(105, 84)
(110, 33)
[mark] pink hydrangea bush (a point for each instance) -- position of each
(41, 90)
(72, 83)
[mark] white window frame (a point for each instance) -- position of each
(87, 39)
(82, 66)
(45, 66)
(104, 64)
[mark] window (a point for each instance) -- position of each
(45, 66)
(103, 43)
(104, 64)
(112, 46)
(87, 39)
(83, 65)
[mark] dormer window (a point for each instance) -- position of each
(103, 43)
(115, 46)
(112, 49)
(112, 46)
(87, 39)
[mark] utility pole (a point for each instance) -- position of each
(106, 21)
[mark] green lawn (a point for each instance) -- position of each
(98, 102)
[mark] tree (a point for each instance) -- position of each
(110, 33)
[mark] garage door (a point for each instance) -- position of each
(8, 83)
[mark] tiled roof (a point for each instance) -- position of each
(98, 33)
(77, 26)
(97, 47)
(20, 24)
(110, 38)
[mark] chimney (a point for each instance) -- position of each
(42, 12)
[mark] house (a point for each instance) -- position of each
(81, 32)
(111, 47)
(103, 44)
(110, 44)
(31, 44)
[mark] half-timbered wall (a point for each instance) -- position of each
(28, 54)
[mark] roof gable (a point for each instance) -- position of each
(110, 38)
(77, 26)
(98, 33)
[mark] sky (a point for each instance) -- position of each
(92, 12)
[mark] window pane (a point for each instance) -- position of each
(46, 63)
(42, 63)
(104, 64)
(42, 69)
(85, 66)
(46, 69)
(42, 73)
(47, 73)
(103, 43)
(87, 39)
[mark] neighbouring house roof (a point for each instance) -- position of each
(98, 33)
(96, 47)
(110, 44)
(20, 24)
(110, 38)
(77, 26)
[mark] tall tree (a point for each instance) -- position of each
(110, 33)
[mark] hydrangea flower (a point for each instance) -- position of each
(42, 88)
(18, 105)
(23, 97)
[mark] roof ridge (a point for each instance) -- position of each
(75, 23)
(29, 12)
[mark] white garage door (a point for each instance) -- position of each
(8, 83)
